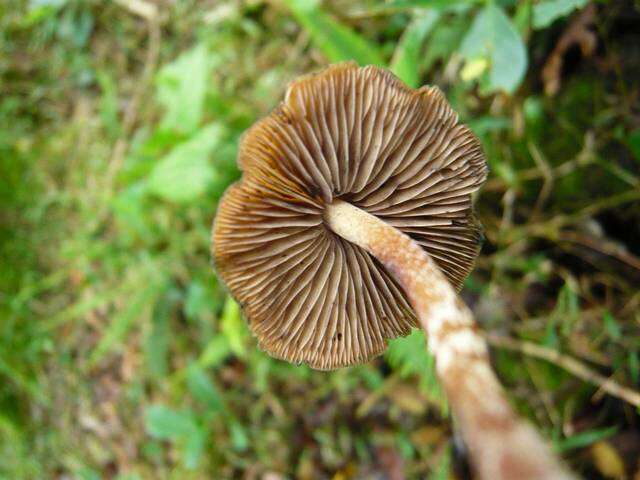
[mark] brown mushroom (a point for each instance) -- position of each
(352, 223)
(361, 136)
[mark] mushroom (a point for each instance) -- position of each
(352, 223)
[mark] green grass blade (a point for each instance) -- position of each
(407, 54)
(336, 41)
(584, 439)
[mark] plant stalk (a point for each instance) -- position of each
(501, 445)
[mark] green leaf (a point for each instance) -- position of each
(157, 341)
(193, 448)
(633, 141)
(185, 173)
(165, 423)
(486, 124)
(443, 467)
(612, 326)
(634, 365)
(182, 89)
(216, 351)
(130, 215)
(179, 427)
(548, 11)
(203, 389)
(108, 103)
(494, 38)
(567, 309)
(234, 328)
(239, 437)
(123, 321)
(444, 40)
(442, 5)
(410, 356)
(522, 17)
(88, 474)
(336, 41)
(200, 300)
(584, 439)
(407, 54)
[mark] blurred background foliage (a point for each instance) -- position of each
(121, 356)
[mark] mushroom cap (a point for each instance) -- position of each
(361, 135)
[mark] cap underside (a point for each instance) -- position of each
(361, 135)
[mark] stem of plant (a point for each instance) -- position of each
(501, 445)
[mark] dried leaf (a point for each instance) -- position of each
(607, 460)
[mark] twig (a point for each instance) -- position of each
(578, 33)
(567, 363)
(551, 228)
(547, 175)
(605, 246)
(534, 173)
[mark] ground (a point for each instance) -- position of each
(121, 356)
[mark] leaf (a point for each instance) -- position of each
(633, 141)
(216, 351)
(522, 17)
(129, 211)
(108, 103)
(548, 11)
(181, 88)
(584, 439)
(239, 438)
(203, 389)
(41, 10)
(567, 309)
(494, 38)
(234, 328)
(165, 423)
(336, 41)
(474, 69)
(444, 40)
(185, 173)
(123, 321)
(157, 341)
(88, 474)
(442, 471)
(486, 124)
(193, 448)
(406, 56)
(180, 427)
(442, 5)
(409, 356)
(607, 460)
(612, 326)
(22, 380)
(634, 365)
(200, 300)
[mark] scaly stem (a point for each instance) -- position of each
(501, 445)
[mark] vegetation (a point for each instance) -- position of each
(121, 356)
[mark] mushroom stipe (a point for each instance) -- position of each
(352, 223)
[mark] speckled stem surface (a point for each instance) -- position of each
(501, 445)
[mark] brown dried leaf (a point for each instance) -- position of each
(607, 460)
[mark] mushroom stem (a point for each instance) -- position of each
(501, 445)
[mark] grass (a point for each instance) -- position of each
(121, 355)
